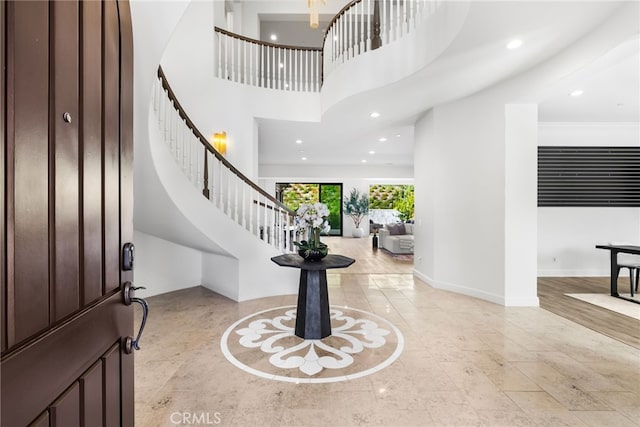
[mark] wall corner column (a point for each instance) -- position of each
(521, 218)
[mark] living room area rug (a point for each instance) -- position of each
(626, 308)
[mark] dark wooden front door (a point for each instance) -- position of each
(67, 207)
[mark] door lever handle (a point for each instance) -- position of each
(129, 297)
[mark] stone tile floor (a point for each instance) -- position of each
(466, 362)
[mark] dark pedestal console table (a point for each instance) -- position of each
(313, 321)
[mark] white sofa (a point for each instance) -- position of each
(393, 239)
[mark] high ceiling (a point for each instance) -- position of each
(610, 86)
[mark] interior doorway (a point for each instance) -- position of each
(293, 195)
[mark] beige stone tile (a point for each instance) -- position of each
(626, 376)
(377, 417)
(627, 403)
(451, 409)
(505, 418)
(344, 400)
(535, 401)
(561, 388)
(180, 404)
(502, 373)
(509, 350)
(314, 417)
(155, 373)
(543, 409)
(605, 418)
(465, 362)
(255, 416)
(473, 382)
(557, 419)
(580, 374)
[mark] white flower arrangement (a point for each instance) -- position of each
(312, 219)
(314, 216)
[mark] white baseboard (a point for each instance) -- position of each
(573, 273)
(496, 299)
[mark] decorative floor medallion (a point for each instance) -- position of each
(264, 344)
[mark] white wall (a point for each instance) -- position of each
(216, 105)
(250, 22)
(470, 174)
(210, 230)
(521, 171)
(462, 197)
(567, 235)
(162, 266)
(426, 152)
(397, 60)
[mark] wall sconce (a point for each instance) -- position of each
(220, 142)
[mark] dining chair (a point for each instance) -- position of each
(631, 262)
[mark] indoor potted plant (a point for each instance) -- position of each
(356, 205)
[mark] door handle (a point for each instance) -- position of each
(128, 298)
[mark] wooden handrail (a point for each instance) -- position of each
(267, 44)
(183, 115)
(338, 15)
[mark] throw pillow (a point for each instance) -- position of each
(396, 229)
(391, 228)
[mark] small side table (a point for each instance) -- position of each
(313, 321)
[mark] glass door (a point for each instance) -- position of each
(295, 194)
(331, 195)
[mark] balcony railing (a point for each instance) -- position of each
(365, 25)
(361, 26)
(257, 63)
(227, 188)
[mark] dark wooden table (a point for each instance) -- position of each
(615, 250)
(313, 321)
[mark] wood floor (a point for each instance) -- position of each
(368, 260)
(551, 290)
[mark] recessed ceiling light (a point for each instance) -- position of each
(375, 114)
(281, 65)
(363, 161)
(304, 158)
(514, 44)
(383, 139)
(397, 135)
(298, 141)
(274, 37)
(576, 92)
(372, 152)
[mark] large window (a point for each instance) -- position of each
(394, 200)
(295, 194)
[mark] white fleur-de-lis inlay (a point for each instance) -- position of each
(271, 332)
(354, 334)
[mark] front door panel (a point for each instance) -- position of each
(67, 197)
